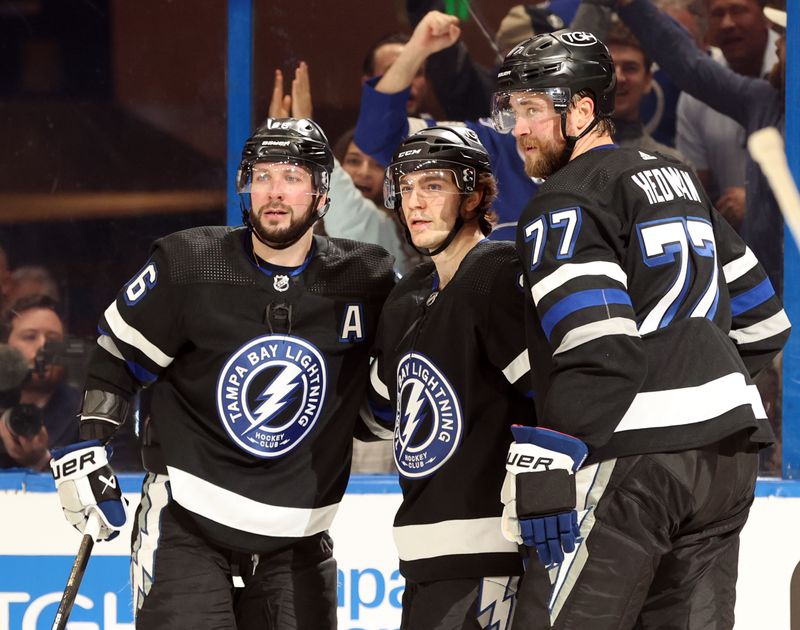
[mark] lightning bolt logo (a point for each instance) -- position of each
(496, 603)
(275, 397)
(416, 401)
(429, 421)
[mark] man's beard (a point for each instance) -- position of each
(284, 236)
(548, 159)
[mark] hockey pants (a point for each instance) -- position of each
(660, 542)
(459, 604)
(181, 581)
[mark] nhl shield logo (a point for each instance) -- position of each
(429, 425)
(270, 394)
(280, 282)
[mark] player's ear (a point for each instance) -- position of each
(584, 109)
(471, 203)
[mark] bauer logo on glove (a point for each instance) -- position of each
(538, 493)
(86, 484)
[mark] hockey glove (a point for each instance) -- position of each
(86, 484)
(538, 492)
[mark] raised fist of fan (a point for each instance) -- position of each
(436, 31)
(86, 484)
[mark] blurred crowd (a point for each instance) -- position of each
(698, 99)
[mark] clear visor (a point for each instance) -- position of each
(270, 177)
(427, 178)
(532, 105)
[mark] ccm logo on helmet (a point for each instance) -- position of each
(72, 465)
(410, 152)
(529, 461)
(578, 38)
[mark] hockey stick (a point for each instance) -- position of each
(766, 147)
(485, 32)
(90, 532)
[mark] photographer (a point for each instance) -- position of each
(45, 413)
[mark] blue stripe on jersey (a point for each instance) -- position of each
(752, 298)
(383, 413)
(581, 300)
(141, 374)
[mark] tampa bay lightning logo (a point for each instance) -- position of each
(270, 394)
(429, 425)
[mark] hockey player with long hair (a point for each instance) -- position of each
(452, 370)
(648, 319)
(256, 342)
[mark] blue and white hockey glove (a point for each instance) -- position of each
(86, 484)
(538, 492)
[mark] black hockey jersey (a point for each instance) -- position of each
(258, 376)
(452, 367)
(653, 315)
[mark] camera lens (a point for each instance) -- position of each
(25, 420)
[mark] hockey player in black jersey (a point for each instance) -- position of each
(452, 369)
(648, 318)
(256, 341)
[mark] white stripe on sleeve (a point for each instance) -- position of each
(107, 344)
(127, 333)
(737, 268)
(761, 330)
(570, 271)
(603, 328)
(518, 368)
(377, 383)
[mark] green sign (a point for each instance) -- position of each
(459, 8)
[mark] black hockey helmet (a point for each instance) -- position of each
(298, 141)
(454, 149)
(561, 63)
(457, 149)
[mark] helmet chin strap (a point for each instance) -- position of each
(572, 140)
(313, 217)
(445, 243)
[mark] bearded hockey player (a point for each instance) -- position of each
(256, 340)
(648, 319)
(452, 365)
